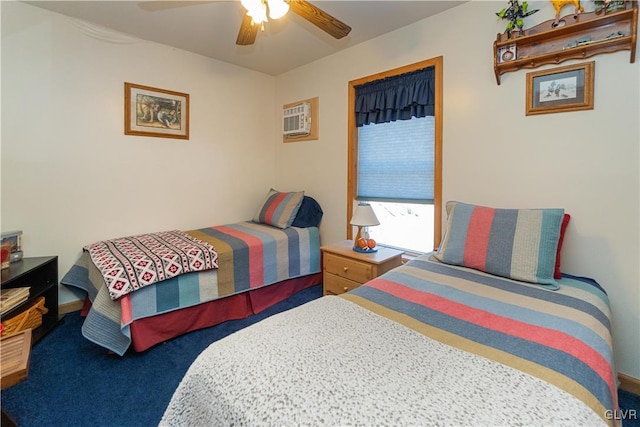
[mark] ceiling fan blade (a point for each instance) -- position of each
(248, 31)
(319, 18)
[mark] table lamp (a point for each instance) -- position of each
(363, 217)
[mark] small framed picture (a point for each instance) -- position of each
(560, 89)
(507, 53)
(150, 111)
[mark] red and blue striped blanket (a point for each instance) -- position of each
(250, 255)
(562, 337)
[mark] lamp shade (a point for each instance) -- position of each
(256, 9)
(363, 216)
(277, 8)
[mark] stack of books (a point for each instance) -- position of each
(11, 297)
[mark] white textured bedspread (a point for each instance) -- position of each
(332, 362)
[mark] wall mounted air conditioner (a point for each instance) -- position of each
(296, 120)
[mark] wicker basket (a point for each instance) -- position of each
(30, 318)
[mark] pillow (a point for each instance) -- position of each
(309, 214)
(565, 221)
(279, 209)
(519, 244)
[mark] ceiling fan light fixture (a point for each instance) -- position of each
(251, 4)
(260, 15)
(253, 21)
(277, 8)
(256, 9)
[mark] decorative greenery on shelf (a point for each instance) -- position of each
(515, 14)
(609, 6)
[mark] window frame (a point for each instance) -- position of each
(352, 139)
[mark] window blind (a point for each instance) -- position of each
(396, 161)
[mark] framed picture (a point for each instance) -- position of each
(507, 53)
(150, 111)
(560, 89)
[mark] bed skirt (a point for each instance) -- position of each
(149, 331)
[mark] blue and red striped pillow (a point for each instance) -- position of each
(279, 209)
(520, 244)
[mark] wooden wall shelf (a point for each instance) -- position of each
(587, 35)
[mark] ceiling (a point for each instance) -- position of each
(210, 28)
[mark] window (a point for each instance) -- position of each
(395, 161)
(406, 226)
(394, 155)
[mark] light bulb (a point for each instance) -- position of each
(256, 9)
(251, 5)
(277, 8)
(259, 15)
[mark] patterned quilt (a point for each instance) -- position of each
(250, 256)
(129, 263)
(423, 344)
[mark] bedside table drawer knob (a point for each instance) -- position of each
(346, 289)
(345, 268)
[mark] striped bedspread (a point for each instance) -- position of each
(561, 337)
(250, 256)
(425, 344)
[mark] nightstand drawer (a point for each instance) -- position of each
(336, 285)
(348, 268)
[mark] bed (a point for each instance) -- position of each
(437, 341)
(252, 265)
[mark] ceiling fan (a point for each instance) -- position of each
(253, 21)
(256, 15)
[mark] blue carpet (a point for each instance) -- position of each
(73, 382)
(629, 409)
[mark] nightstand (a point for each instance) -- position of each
(344, 269)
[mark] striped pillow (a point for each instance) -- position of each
(279, 209)
(520, 244)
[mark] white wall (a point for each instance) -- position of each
(69, 174)
(587, 162)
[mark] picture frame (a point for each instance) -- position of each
(149, 111)
(507, 53)
(568, 88)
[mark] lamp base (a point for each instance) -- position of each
(365, 251)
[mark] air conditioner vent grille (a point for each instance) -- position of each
(296, 120)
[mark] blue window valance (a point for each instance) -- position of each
(396, 98)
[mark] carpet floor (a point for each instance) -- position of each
(73, 382)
